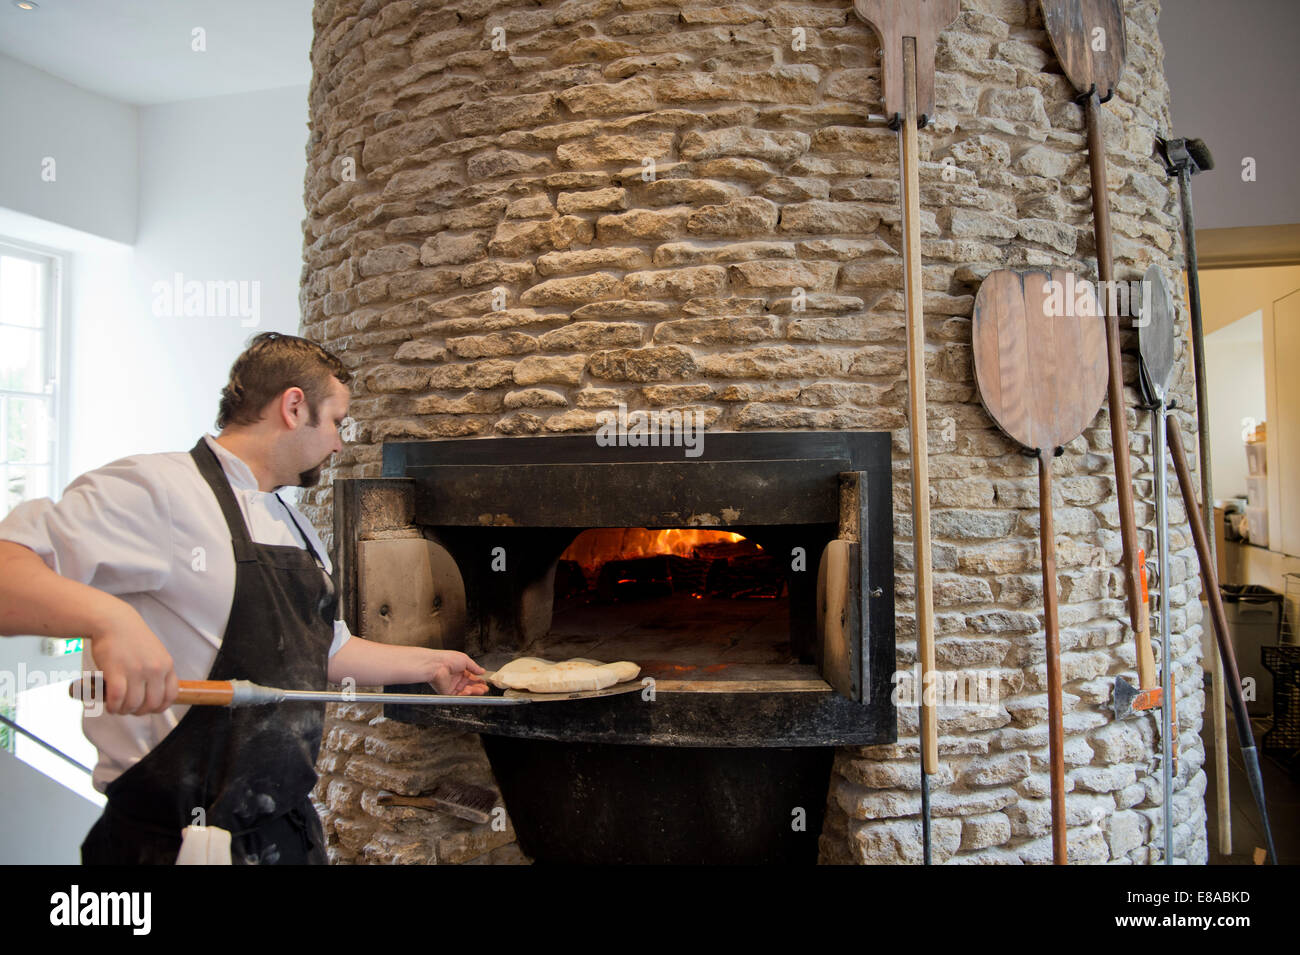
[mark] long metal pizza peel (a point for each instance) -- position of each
(1156, 363)
(246, 693)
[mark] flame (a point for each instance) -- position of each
(594, 547)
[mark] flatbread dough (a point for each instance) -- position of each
(544, 676)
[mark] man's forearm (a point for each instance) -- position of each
(36, 601)
(374, 664)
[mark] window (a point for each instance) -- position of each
(28, 374)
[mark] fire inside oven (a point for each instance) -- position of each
(682, 602)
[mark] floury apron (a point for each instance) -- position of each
(250, 769)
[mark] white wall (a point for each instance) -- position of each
(1234, 373)
(1233, 83)
(221, 184)
(216, 196)
(92, 140)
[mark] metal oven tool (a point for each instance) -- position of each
(1156, 362)
(1184, 158)
(244, 693)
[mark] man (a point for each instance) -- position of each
(189, 566)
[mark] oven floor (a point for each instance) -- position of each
(684, 643)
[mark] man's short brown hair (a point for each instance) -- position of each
(271, 364)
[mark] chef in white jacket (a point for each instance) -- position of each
(190, 566)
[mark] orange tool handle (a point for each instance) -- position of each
(1173, 690)
(206, 692)
(192, 692)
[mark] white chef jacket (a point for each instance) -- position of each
(148, 529)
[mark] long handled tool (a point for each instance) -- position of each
(1156, 361)
(1184, 158)
(908, 30)
(1041, 378)
(1089, 39)
(1210, 579)
(244, 693)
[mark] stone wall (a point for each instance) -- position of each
(520, 217)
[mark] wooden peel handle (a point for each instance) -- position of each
(917, 416)
(1209, 581)
(1052, 633)
(1115, 396)
(192, 692)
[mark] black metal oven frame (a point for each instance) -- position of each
(527, 498)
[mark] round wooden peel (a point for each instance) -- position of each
(1042, 377)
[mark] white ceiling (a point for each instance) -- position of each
(139, 51)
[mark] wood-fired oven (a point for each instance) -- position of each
(753, 583)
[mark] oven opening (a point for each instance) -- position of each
(754, 585)
(698, 610)
(683, 603)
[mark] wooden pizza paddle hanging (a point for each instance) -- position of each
(1090, 41)
(1041, 377)
(908, 30)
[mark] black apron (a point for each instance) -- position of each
(250, 769)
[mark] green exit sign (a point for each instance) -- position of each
(59, 648)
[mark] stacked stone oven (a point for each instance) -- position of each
(520, 215)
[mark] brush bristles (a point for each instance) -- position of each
(1200, 154)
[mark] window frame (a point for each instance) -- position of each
(55, 336)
